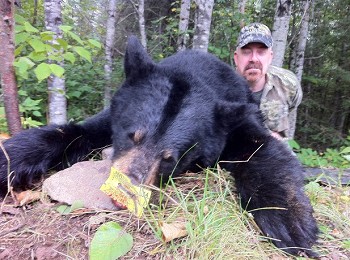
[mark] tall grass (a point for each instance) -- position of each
(217, 226)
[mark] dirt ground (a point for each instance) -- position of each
(38, 231)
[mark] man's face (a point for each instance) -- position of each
(252, 61)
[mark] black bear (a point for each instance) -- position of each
(189, 109)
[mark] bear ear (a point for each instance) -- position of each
(136, 62)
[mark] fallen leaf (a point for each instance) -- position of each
(110, 242)
(26, 197)
(173, 230)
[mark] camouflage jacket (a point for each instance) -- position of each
(280, 99)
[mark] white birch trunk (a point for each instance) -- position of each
(110, 34)
(141, 14)
(299, 52)
(241, 9)
(280, 30)
(204, 12)
(241, 6)
(183, 25)
(56, 85)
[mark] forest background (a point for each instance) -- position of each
(89, 61)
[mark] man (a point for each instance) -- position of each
(277, 90)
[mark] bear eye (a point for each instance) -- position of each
(167, 155)
(137, 136)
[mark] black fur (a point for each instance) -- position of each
(190, 109)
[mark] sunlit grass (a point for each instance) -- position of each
(217, 226)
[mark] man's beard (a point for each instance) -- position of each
(253, 65)
(253, 76)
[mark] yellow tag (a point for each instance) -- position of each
(119, 187)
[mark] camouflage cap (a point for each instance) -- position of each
(255, 32)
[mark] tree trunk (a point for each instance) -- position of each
(280, 30)
(183, 25)
(241, 9)
(56, 85)
(204, 10)
(299, 52)
(7, 72)
(141, 14)
(110, 34)
(35, 13)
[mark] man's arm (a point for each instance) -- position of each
(292, 116)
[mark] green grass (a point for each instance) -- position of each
(218, 228)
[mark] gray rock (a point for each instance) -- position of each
(107, 153)
(81, 182)
(332, 177)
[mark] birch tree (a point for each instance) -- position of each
(280, 30)
(141, 14)
(183, 24)
(7, 72)
(297, 63)
(56, 85)
(140, 10)
(204, 10)
(110, 34)
(241, 9)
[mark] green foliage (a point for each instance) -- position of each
(3, 121)
(339, 158)
(110, 242)
(66, 209)
(29, 108)
(36, 49)
(315, 192)
(225, 29)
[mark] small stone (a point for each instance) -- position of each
(81, 182)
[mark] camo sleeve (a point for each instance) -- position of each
(281, 97)
(295, 101)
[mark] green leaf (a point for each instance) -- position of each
(57, 70)
(55, 57)
(347, 157)
(21, 37)
(42, 71)
(75, 93)
(346, 244)
(19, 28)
(47, 37)
(95, 43)
(77, 205)
(37, 56)
(66, 209)
(69, 57)
(63, 209)
(22, 65)
(29, 28)
(75, 37)
(346, 150)
(110, 242)
(18, 50)
(294, 144)
(63, 43)
(37, 45)
(83, 53)
(65, 28)
(37, 113)
(19, 19)
(27, 61)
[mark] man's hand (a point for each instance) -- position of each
(277, 135)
